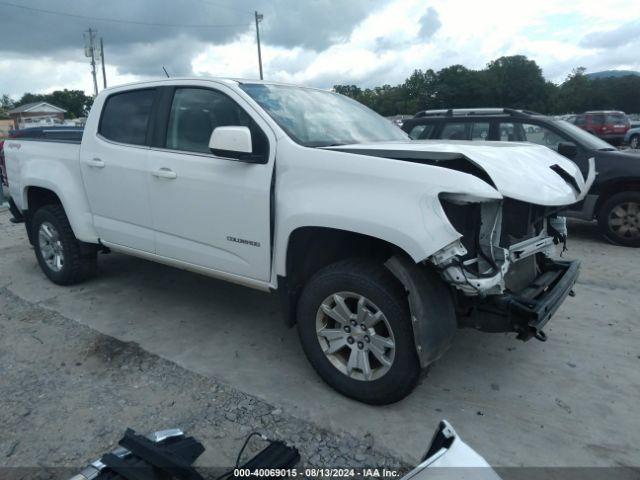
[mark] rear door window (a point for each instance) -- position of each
(465, 131)
(511, 132)
(454, 131)
(419, 132)
(480, 131)
(125, 116)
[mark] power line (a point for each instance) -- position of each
(114, 20)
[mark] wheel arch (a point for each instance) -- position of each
(36, 194)
(34, 198)
(311, 248)
(614, 187)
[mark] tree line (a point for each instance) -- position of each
(510, 82)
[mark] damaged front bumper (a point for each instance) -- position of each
(527, 311)
(504, 269)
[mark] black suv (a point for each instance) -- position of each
(614, 198)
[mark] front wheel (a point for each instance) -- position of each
(619, 219)
(634, 141)
(355, 328)
(62, 258)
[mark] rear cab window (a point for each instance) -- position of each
(125, 116)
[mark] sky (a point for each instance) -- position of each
(311, 42)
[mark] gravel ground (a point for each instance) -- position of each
(67, 406)
(80, 364)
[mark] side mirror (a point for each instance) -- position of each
(234, 143)
(567, 149)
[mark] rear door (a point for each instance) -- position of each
(210, 211)
(115, 170)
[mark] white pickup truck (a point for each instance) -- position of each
(379, 246)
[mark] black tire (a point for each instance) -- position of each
(377, 284)
(629, 237)
(80, 259)
(634, 141)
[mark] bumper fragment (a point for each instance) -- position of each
(527, 311)
(532, 308)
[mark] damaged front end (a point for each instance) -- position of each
(504, 267)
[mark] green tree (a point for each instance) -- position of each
(75, 102)
(420, 88)
(511, 81)
(516, 82)
(459, 87)
(6, 102)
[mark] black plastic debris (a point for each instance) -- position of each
(169, 454)
(163, 455)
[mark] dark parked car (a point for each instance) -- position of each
(614, 198)
(607, 125)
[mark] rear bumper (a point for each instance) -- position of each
(527, 312)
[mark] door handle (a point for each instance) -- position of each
(95, 162)
(165, 173)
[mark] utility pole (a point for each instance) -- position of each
(89, 51)
(104, 72)
(259, 17)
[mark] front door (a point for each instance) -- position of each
(209, 211)
(115, 171)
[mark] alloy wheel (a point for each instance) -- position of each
(50, 246)
(355, 336)
(624, 220)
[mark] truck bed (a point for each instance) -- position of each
(31, 161)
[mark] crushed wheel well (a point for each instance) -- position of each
(312, 248)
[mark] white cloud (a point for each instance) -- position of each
(384, 47)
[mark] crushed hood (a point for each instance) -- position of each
(522, 171)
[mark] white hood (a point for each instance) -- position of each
(522, 171)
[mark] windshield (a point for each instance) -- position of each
(317, 118)
(583, 137)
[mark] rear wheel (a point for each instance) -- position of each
(62, 258)
(634, 141)
(619, 219)
(355, 328)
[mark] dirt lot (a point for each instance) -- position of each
(148, 346)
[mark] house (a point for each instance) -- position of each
(36, 114)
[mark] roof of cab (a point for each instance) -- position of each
(226, 80)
